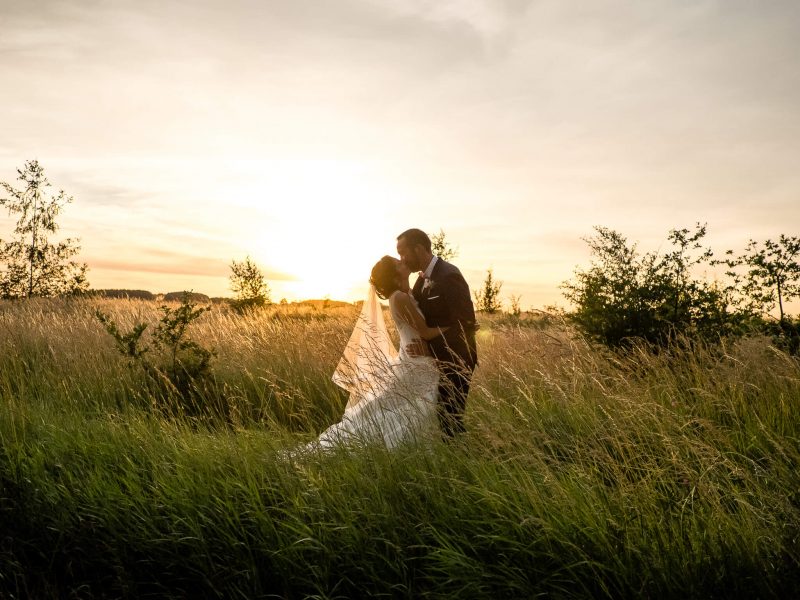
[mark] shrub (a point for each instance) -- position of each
(625, 296)
(175, 365)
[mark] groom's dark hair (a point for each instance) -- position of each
(416, 236)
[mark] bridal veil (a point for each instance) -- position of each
(365, 367)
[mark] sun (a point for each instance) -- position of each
(330, 222)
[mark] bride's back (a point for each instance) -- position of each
(408, 335)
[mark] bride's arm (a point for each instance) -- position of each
(412, 316)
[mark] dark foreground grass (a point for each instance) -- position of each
(582, 475)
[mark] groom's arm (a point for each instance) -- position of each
(458, 298)
(412, 316)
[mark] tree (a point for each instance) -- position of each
(34, 266)
(487, 298)
(441, 247)
(773, 272)
(249, 284)
(679, 288)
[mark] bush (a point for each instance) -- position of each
(182, 296)
(625, 296)
(177, 367)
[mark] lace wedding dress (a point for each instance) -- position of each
(392, 395)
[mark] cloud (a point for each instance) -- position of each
(166, 262)
(181, 265)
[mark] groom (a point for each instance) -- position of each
(444, 299)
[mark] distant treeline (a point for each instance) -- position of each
(199, 298)
(137, 294)
(146, 295)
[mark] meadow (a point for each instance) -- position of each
(584, 473)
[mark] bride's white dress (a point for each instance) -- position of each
(392, 395)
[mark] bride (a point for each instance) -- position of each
(392, 395)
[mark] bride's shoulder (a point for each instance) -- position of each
(399, 297)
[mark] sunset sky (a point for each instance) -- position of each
(309, 133)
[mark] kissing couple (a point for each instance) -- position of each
(418, 392)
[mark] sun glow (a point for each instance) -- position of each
(328, 227)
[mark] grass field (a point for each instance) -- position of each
(583, 473)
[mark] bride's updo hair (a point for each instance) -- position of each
(384, 277)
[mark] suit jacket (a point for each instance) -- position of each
(447, 302)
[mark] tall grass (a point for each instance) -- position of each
(583, 473)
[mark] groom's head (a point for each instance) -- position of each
(414, 248)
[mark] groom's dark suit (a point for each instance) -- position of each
(446, 302)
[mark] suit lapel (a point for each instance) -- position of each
(422, 296)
